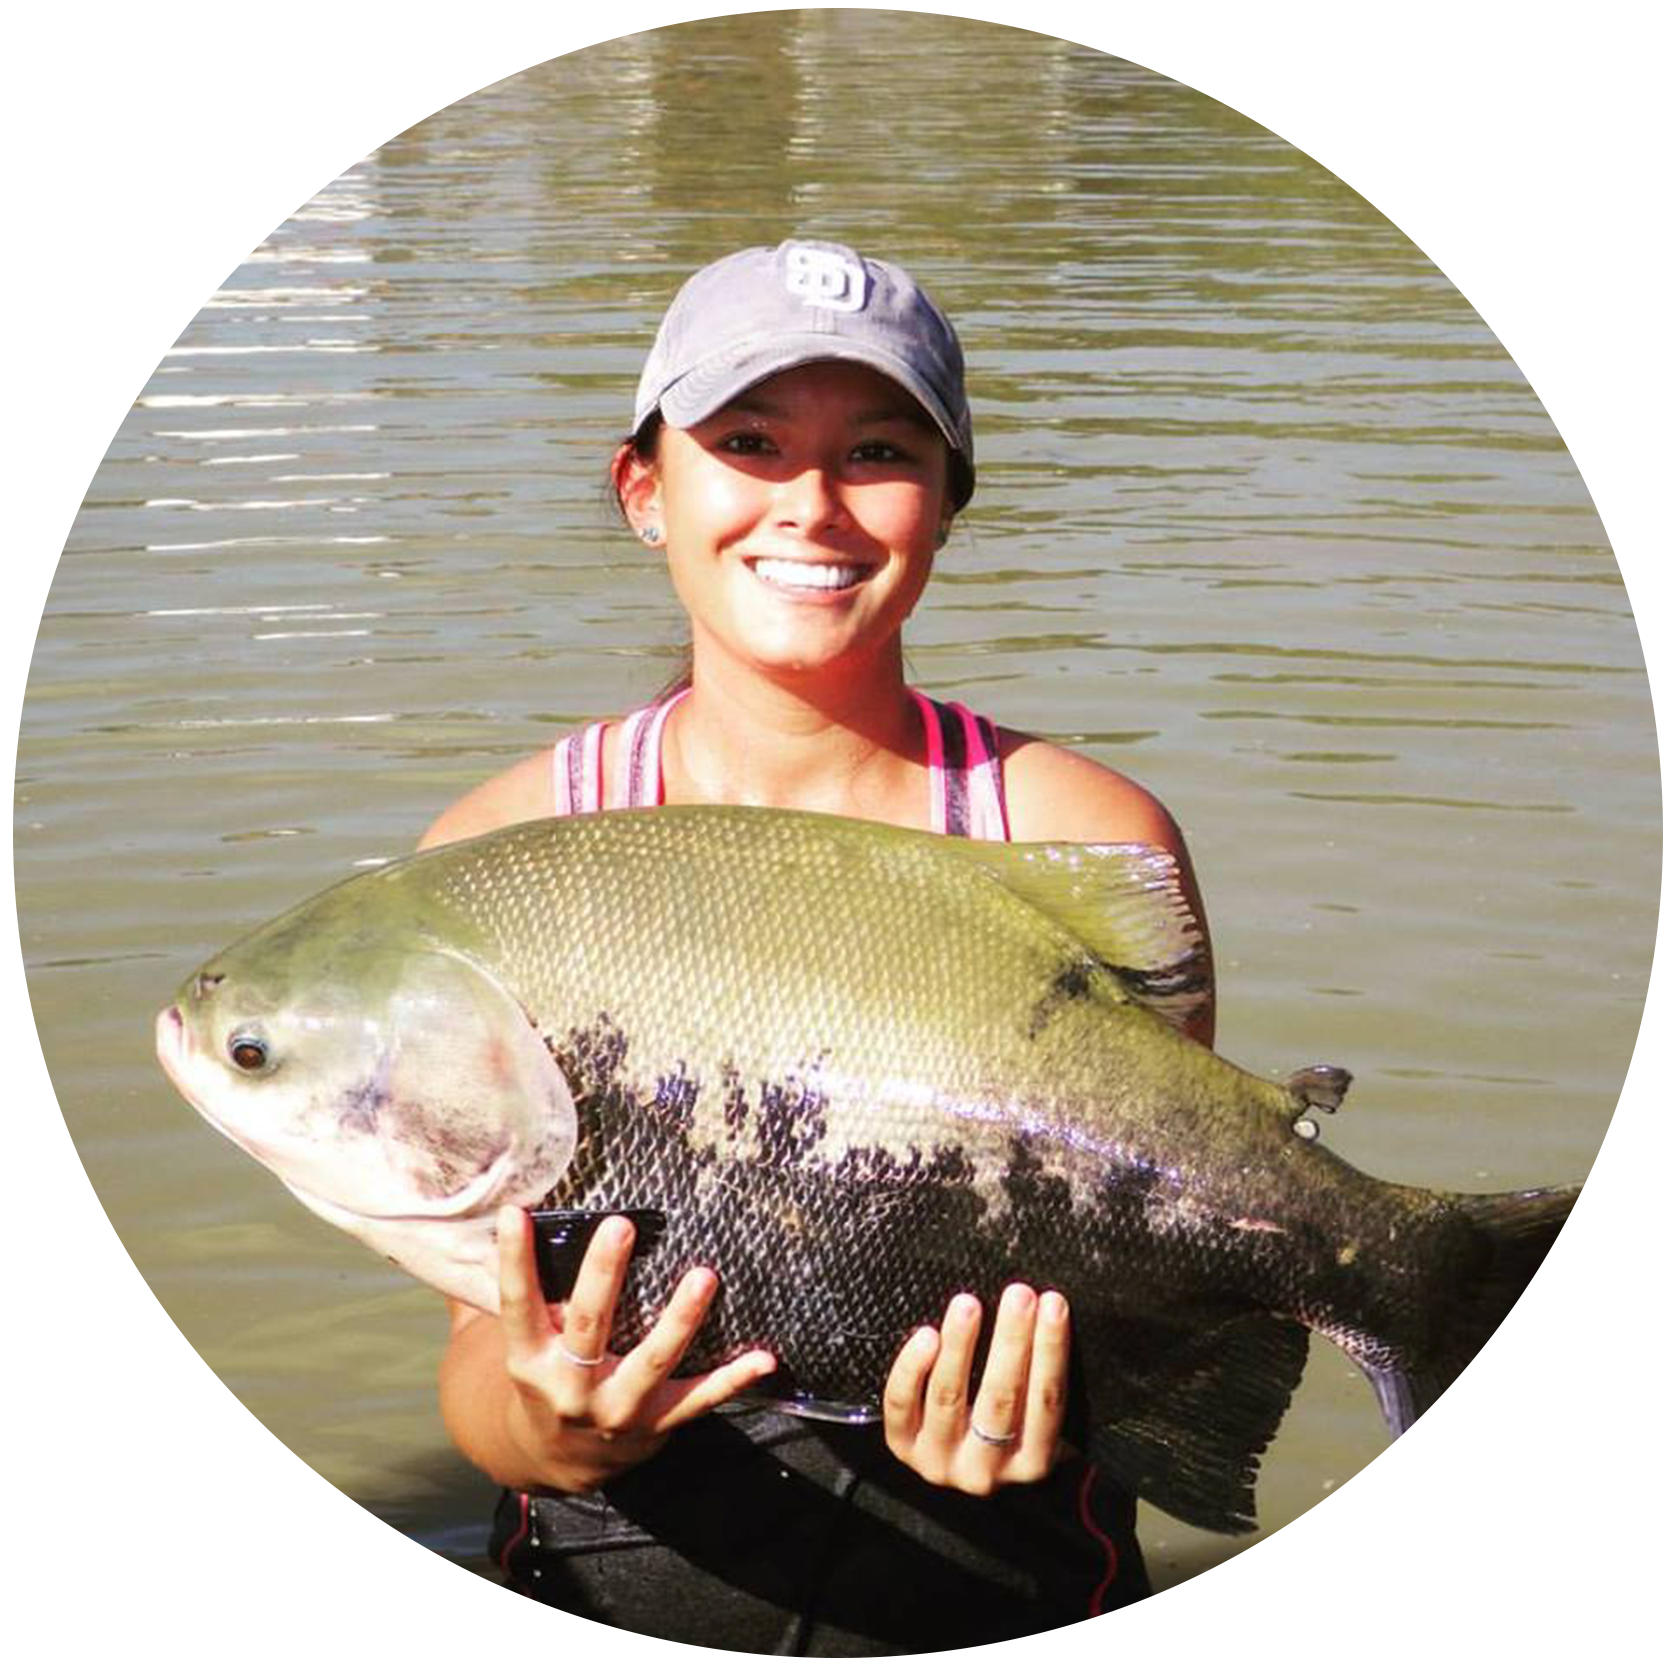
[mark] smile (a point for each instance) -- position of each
(808, 575)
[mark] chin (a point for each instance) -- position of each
(805, 660)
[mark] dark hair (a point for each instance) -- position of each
(642, 445)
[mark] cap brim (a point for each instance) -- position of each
(710, 386)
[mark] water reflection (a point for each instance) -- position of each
(230, 175)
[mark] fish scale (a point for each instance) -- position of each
(860, 1069)
(718, 950)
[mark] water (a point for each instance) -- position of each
(1266, 517)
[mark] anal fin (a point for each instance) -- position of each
(1197, 1411)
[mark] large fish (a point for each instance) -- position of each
(859, 1069)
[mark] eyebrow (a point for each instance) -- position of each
(906, 410)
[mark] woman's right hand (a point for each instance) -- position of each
(576, 1413)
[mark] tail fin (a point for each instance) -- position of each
(1447, 1411)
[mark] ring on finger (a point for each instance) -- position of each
(577, 1359)
(992, 1440)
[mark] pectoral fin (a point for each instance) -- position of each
(1125, 904)
(466, 1085)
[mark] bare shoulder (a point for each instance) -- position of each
(1054, 793)
(521, 793)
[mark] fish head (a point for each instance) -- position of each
(383, 1075)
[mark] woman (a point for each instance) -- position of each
(801, 446)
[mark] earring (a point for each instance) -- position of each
(649, 535)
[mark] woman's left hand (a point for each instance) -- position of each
(1009, 1430)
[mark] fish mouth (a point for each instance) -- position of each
(171, 1048)
(174, 1053)
(803, 577)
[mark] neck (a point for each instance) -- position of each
(847, 745)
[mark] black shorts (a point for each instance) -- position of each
(758, 1531)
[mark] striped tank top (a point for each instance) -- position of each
(962, 761)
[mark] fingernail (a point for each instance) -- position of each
(1017, 1299)
(965, 1308)
(1054, 1308)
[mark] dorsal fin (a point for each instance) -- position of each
(1125, 904)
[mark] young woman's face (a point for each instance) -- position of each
(801, 519)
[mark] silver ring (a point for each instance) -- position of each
(993, 1440)
(576, 1359)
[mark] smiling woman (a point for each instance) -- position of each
(801, 446)
(799, 523)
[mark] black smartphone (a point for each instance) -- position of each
(560, 1238)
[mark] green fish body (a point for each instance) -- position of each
(860, 1069)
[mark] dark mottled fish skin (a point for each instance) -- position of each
(837, 1256)
(862, 1069)
(1197, 1351)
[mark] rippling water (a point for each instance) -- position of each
(1266, 517)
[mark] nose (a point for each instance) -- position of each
(810, 500)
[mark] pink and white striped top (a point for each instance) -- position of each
(961, 756)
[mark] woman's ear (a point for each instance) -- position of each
(637, 486)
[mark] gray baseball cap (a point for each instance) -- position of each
(761, 311)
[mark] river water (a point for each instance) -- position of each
(1266, 518)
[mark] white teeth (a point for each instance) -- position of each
(806, 575)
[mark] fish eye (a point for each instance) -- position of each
(248, 1053)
